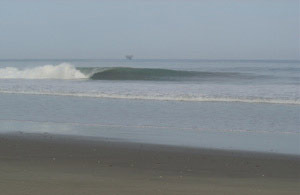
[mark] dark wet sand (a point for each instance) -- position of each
(48, 164)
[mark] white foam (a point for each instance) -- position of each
(61, 71)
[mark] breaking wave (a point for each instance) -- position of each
(68, 71)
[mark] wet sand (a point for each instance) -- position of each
(51, 164)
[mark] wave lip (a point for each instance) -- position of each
(61, 71)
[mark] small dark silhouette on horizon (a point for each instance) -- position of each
(129, 57)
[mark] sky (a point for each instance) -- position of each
(160, 29)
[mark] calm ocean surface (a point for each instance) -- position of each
(243, 105)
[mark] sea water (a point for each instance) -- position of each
(225, 104)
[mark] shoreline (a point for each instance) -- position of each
(36, 163)
(46, 137)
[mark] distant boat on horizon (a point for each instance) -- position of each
(129, 57)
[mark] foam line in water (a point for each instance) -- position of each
(61, 71)
(159, 98)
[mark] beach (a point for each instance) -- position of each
(149, 97)
(56, 164)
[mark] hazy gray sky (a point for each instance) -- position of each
(210, 29)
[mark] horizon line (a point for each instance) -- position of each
(196, 59)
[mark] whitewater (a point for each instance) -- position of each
(61, 71)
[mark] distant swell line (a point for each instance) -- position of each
(153, 126)
(165, 98)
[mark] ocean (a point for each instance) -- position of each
(251, 105)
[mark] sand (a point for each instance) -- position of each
(52, 164)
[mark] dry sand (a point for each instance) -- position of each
(50, 164)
